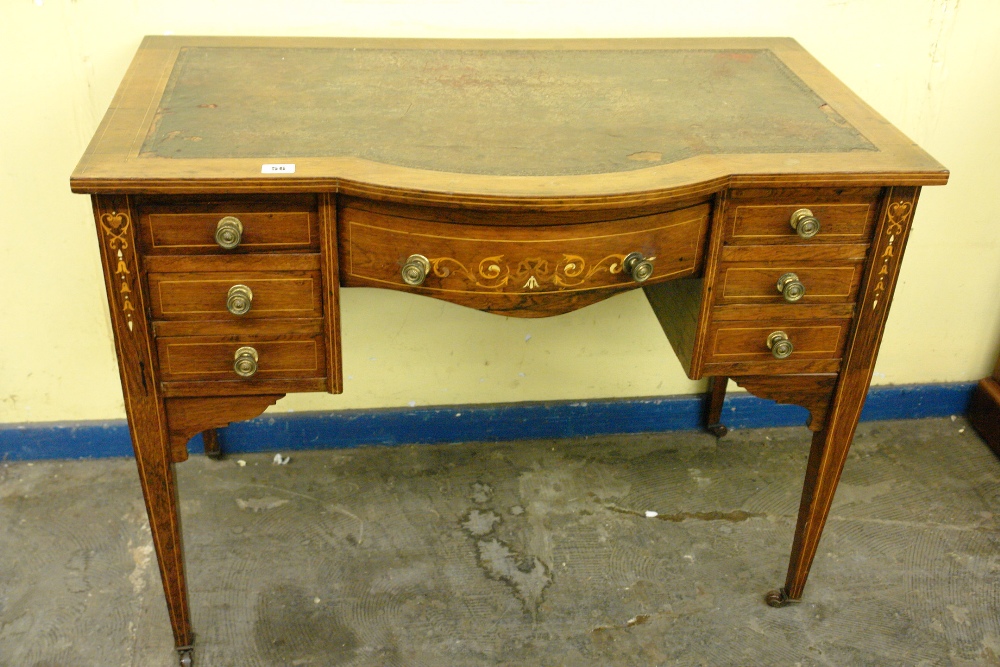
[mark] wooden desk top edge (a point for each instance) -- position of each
(111, 165)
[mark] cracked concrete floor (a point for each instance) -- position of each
(522, 554)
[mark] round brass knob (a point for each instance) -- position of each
(791, 287)
(239, 299)
(245, 362)
(415, 270)
(805, 223)
(638, 267)
(779, 345)
(229, 232)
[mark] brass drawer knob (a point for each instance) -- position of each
(415, 270)
(239, 300)
(229, 232)
(638, 267)
(779, 345)
(791, 287)
(805, 223)
(245, 363)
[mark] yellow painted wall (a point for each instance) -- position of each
(930, 66)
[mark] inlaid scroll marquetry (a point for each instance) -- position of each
(475, 261)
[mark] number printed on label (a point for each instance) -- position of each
(277, 169)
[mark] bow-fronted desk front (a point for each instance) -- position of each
(239, 183)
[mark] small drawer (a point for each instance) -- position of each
(762, 216)
(747, 341)
(196, 358)
(256, 224)
(740, 283)
(207, 295)
(518, 261)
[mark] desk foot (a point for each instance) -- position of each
(185, 656)
(778, 598)
(718, 430)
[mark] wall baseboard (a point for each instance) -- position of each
(468, 423)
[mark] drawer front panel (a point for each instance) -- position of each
(203, 295)
(804, 253)
(517, 261)
(745, 284)
(763, 216)
(281, 223)
(839, 222)
(197, 358)
(743, 341)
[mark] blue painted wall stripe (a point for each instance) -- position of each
(511, 421)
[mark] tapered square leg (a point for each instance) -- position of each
(713, 406)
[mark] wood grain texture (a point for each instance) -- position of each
(224, 262)
(830, 445)
(213, 448)
(529, 229)
(147, 420)
(203, 294)
(714, 400)
(758, 284)
(752, 227)
(517, 216)
(761, 215)
(187, 417)
(812, 392)
(331, 293)
(746, 341)
(270, 327)
(469, 262)
(195, 358)
(813, 252)
(110, 163)
(277, 223)
(716, 238)
(243, 387)
(775, 366)
(784, 312)
(676, 304)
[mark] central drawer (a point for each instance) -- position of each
(517, 262)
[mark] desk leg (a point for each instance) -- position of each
(144, 406)
(212, 448)
(831, 443)
(826, 462)
(159, 490)
(713, 406)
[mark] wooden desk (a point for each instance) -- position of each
(760, 204)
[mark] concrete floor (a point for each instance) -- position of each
(520, 554)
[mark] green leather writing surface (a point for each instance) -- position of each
(496, 112)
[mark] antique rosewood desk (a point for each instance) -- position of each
(239, 183)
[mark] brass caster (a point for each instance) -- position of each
(718, 430)
(186, 656)
(778, 598)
